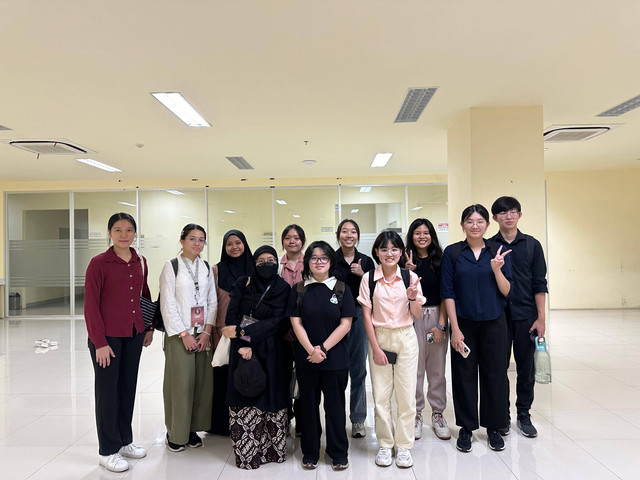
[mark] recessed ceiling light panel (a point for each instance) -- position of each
(94, 163)
(174, 192)
(381, 160)
(414, 104)
(181, 108)
(240, 163)
(624, 107)
(365, 189)
(281, 202)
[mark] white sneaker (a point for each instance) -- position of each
(440, 427)
(133, 451)
(384, 457)
(417, 426)
(404, 458)
(114, 462)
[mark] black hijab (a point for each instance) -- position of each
(229, 268)
(259, 284)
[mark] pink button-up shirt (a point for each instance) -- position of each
(291, 275)
(391, 305)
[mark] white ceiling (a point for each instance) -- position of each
(270, 74)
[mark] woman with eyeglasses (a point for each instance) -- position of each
(321, 309)
(235, 261)
(391, 298)
(188, 303)
(114, 282)
(475, 283)
(351, 265)
(424, 258)
(255, 324)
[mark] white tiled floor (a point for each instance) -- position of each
(588, 418)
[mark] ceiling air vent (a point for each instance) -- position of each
(49, 147)
(240, 163)
(561, 134)
(414, 103)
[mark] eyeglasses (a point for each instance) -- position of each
(319, 260)
(266, 262)
(510, 213)
(196, 240)
(394, 251)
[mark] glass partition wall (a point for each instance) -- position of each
(52, 236)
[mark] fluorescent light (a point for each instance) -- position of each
(281, 202)
(365, 189)
(355, 210)
(127, 204)
(414, 103)
(174, 192)
(381, 159)
(181, 108)
(228, 211)
(296, 215)
(416, 208)
(94, 163)
(186, 216)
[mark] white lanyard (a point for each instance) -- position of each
(195, 277)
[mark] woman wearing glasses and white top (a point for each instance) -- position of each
(188, 303)
(321, 310)
(389, 325)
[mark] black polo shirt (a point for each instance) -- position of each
(320, 317)
(529, 276)
(343, 270)
(429, 281)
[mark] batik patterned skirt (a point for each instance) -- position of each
(258, 437)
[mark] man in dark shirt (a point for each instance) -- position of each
(525, 310)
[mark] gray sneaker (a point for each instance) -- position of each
(440, 427)
(417, 427)
(358, 430)
(525, 426)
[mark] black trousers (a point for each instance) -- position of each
(487, 363)
(523, 352)
(220, 410)
(332, 384)
(115, 392)
(293, 406)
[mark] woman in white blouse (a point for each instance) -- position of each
(188, 302)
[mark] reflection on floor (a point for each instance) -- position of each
(588, 419)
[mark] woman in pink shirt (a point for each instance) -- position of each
(388, 320)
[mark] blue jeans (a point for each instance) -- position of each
(358, 345)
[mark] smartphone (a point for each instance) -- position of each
(391, 357)
(465, 350)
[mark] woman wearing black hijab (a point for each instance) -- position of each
(235, 262)
(258, 419)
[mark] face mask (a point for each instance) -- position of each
(267, 270)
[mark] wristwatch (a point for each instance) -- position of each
(183, 334)
(441, 327)
(324, 350)
(241, 333)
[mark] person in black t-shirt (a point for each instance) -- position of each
(321, 321)
(424, 257)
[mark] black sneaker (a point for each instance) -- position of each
(525, 426)
(174, 447)
(495, 440)
(464, 440)
(505, 431)
(194, 440)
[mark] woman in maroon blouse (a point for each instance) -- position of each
(114, 282)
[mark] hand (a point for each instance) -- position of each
(317, 356)
(539, 326)
(229, 331)
(409, 265)
(438, 335)
(456, 340)
(498, 261)
(356, 268)
(245, 352)
(203, 340)
(379, 357)
(189, 343)
(148, 338)
(412, 291)
(103, 356)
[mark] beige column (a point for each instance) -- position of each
(495, 151)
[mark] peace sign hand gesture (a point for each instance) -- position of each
(409, 265)
(412, 291)
(498, 261)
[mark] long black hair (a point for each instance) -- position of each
(434, 250)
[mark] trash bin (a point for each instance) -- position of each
(15, 302)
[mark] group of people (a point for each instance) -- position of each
(303, 326)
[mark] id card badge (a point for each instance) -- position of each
(197, 316)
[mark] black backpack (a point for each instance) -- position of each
(338, 289)
(158, 321)
(406, 278)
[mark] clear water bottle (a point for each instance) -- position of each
(542, 361)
